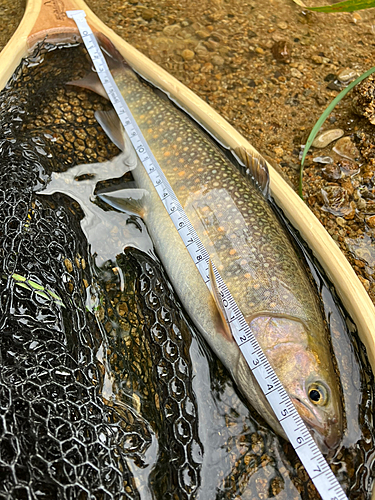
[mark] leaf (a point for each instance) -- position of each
(323, 118)
(346, 6)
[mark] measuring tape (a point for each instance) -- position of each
(298, 434)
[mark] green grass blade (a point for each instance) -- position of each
(323, 118)
(23, 285)
(346, 6)
(18, 277)
(36, 286)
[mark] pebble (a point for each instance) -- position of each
(218, 61)
(347, 75)
(282, 25)
(317, 59)
(202, 34)
(187, 55)
(346, 148)
(331, 172)
(361, 204)
(281, 51)
(172, 30)
(295, 73)
(326, 137)
(348, 167)
(323, 159)
(147, 14)
(259, 50)
(334, 86)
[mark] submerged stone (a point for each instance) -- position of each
(346, 148)
(326, 137)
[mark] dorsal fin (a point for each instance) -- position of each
(256, 169)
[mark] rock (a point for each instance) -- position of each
(361, 204)
(279, 152)
(282, 25)
(218, 61)
(370, 221)
(212, 45)
(187, 55)
(202, 34)
(346, 148)
(347, 75)
(317, 59)
(295, 73)
(323, 159)
(147, 14)
(172, 30)
(281, 51)
(334, 86)
(259, 50)
(329, 77)
(364, 98)
(326, 137)
(320, 99)
(336, 202)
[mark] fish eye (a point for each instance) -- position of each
(318, 394)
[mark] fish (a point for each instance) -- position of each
(232, 216)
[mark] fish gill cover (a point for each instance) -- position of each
(106, 391)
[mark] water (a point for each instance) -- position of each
(137, 405)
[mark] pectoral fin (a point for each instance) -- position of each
(127, 200)
(91, 82)
(222, 324)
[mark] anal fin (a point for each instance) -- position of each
(127, 200)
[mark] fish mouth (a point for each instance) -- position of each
(326, 434)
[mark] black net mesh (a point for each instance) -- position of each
(105, 389)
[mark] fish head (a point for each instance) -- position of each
(320, 408)
(304, 367)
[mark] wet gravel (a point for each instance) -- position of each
(270, 68)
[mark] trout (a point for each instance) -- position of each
(246, 242)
